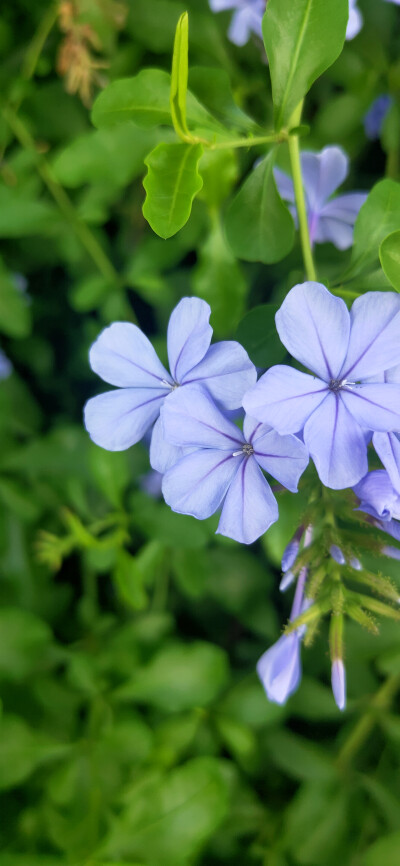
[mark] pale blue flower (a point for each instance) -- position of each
(336, 404)
(376, 114)
(225, 467)
(387, 445)
(329, 219)
(123, 356)
(246, 19)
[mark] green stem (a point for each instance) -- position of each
(294, 153)
(364, 727)
(36, 46)
(247, 142)
(81, 229)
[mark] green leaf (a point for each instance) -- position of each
(168, 818)
(145, 101)
(259, 226)
(171, 184)
(179, 76)
(384, 851)
(389, 254)
(378, 217)
(113, 156)
(300, 758)
(212, 88)
(129, 579)
(219, 280)
(179, 677)
(22, 215)
(257, 333)
(15, 315)
(25, 642)
(302, 38)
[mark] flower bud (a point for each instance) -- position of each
(339, 683)
(337, 554)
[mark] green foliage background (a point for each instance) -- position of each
(134, 731)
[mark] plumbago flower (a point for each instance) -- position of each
(329, 219)
(337, 405)
(224, 466)
(123, 356)
(380, 500)
(387, 445)
(246, 19)
(355, 21)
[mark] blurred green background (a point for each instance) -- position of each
(134, 731)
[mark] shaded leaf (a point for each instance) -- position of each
(378, 217)
(257, 333)
(258, 224)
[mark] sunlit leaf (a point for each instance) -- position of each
(171, 183)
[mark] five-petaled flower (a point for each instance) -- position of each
(123, 356)
(329, 219)
(337, 406)
(224, 466)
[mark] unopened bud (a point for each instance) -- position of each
(355, 563)
(339, 683)
(286, 581)
(389, 550)
(291, 550)
(337, 554)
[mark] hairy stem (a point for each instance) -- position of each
(294, 153)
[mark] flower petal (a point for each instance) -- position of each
(314, 326)
(322, 174)
(375, 407)
(227, 373)
(191, 419)
(283, 457)
(163, 455)
(355, 21)
(279, 669)
(377, 495)
(337, 218)
(118, 419)
(387, 447)
(336, 444)
(250, 506)
(284, 185)
(245, 22)
(285, 398)
(374, 343)
(188, 336)
(339, 683)
(123, 356)
(197, 484)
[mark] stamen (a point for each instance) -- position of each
(246, 449)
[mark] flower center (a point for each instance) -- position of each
(336, 385)
(172, 387)
(246, 449)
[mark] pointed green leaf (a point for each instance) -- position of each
(179, 76)
(389, 254)
(259, 226)
(378, 217)
(171, 183)
(302, 38)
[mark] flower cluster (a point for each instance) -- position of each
(215, 458)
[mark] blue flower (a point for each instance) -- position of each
(378, 497)
(224, 469)
(329, 219)
(376, 114)
(336, 406)
(246, 19)
(123, 356)
(279, 668)
(387, 445)
(5, 366)
(355, 21)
